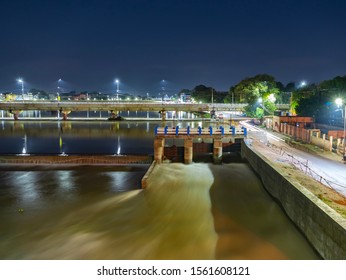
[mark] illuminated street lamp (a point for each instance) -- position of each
(21, 81)
(339, 102)
(117, 82)
(59, 88)
(272, 98)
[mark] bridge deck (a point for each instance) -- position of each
(119, 106)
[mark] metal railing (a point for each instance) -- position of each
(231, 131)
(304, 167)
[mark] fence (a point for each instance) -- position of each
(315, 137)
(304, 166)
(297, 132)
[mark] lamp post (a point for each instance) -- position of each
(59, 88)
(117, 82)
(339, 102)
(343, 147)
(21, 81)
(163, 90)
(212, 113)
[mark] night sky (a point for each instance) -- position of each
(217, 43)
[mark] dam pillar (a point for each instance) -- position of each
(159, 145)
(188, 150)
(217, 151)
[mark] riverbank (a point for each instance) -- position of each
(317, 211)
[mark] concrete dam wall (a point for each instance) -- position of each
(323, 227)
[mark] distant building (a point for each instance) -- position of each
(185, 97)
(303, 122)
(28, 96)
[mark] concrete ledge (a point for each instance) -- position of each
(74, 159)
(323, 227)
(145, 178)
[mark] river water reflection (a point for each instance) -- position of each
(198, 211)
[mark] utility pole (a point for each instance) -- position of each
(212, 113)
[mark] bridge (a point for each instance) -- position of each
(220, 136)
(114, 107)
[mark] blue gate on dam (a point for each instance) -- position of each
(198, 139)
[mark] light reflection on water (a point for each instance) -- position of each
(79, 137)
(196, 211)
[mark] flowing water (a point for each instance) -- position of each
(197, 211)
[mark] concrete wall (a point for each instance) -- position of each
(299, 133)
(322, 226)
(324, 143)
(74, 159)
(144, 181)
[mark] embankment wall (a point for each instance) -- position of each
(323, 227)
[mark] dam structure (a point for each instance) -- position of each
(195, 138)
(323, 227)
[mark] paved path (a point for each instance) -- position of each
(328, 166)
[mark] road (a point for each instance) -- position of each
(332, 170)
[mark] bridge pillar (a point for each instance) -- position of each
(217, 153)
(159, 144)
(188, 151)
(64, 114)
(114, 114)
(15, 114)
(163, 115)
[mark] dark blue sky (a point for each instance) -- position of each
(89, 43)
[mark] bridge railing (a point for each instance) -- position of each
(231, 131)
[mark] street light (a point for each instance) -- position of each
(21, 81)
(59, 89)
(339, 102)
(212, 113)
(117, 82)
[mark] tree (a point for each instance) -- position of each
(291, 86)
(204, 94)
(41, 94)
(250, 90)
(319, 100)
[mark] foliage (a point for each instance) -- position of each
(259, 113)
(41, 94)
(319, 100)
(251, 90)
(316, 100)
(204, 94)
(336, 85)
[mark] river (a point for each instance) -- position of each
(197, 211)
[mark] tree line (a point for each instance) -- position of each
(262, 92)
